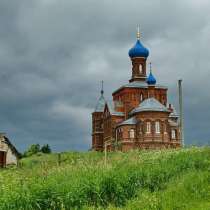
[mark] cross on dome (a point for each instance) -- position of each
(138, 35)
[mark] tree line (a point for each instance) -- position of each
(36, 148)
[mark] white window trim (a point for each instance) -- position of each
(140, 69)
(132, 133)
(173, 134)
(141, 97)
(148, 127)
(157, 127)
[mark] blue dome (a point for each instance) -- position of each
(151, 79)
(138, 50)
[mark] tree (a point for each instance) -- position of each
(33, 149)
(46, 148)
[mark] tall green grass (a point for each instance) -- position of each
(190, 191)
(128, 181)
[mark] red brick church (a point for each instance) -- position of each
(139, 116)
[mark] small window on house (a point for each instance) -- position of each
(157, 127)
(148, 128)
(131, 133)
(140, 69)
(173, 134)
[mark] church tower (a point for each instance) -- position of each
(97, 123)
(138, 55)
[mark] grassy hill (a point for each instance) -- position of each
(149, 180)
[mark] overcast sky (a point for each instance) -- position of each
(53, 54)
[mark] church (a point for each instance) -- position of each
(139, 116)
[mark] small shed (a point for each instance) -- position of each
(8, 153)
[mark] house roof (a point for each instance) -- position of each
(174, 113)
(112, 110)
(11, 146)
(173, 123)
(150, 104)
(130, 121)
(139, 84)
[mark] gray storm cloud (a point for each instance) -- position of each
(53, 55)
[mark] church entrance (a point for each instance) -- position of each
(2, 159)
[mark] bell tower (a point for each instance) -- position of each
(138, 55)
(97, 123)
(138, 69)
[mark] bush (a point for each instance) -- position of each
(36, 149)
(33, 149)
(46, 149)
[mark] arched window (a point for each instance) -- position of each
(173, 134)
(141, 97)
(157, 127)
(131, 133)
(148, 128)
(140, 69)
(119, 133)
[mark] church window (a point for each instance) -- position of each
(148, 128)
(140, 69)
(140, 130)
(131, 133)
(173, 134)
(141, 97)
(157, 127)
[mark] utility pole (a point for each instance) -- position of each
(181, 119)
